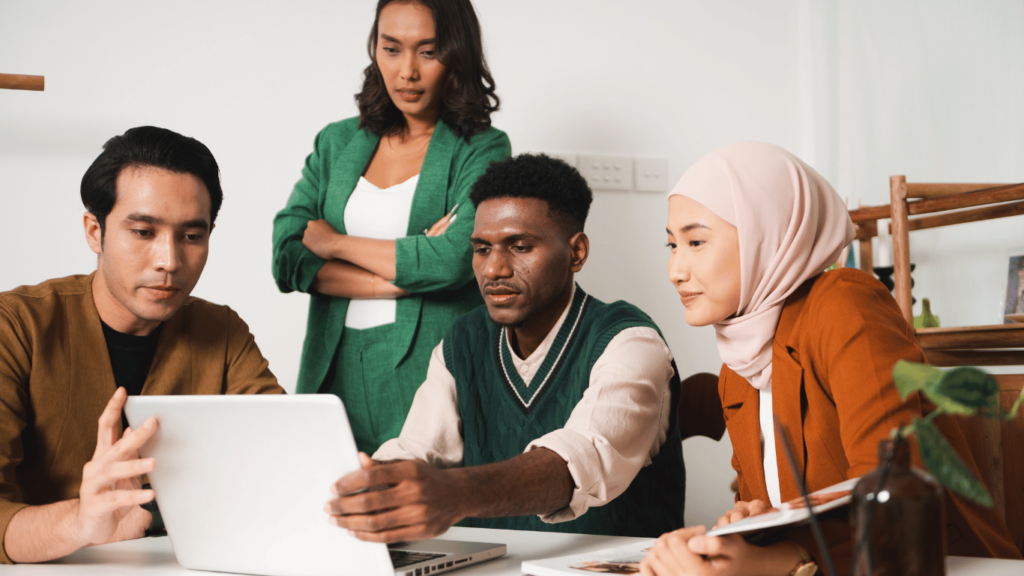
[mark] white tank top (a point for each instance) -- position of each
(381, 213)
(766, 417)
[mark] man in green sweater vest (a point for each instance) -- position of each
(545, 410)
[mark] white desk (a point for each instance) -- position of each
(155, 557)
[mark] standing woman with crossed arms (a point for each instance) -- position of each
(377, 230)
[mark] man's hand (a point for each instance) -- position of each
(319, 238)
(109, 499)
(743, 510)
(107, 509)
(397, 501)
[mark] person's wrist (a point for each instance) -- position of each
(76, 526)
(460, 492)
(338, 244)
(804, 564)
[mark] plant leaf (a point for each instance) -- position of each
(965, 390)
(911, 376)
(946, 465)
(1016, 406)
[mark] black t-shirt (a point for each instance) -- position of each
(130, 357)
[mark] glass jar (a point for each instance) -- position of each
(906, 520)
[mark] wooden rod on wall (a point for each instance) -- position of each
(22, 82)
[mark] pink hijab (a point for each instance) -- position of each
(792, 226)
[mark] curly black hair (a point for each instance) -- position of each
(467, 97)
(538, 176)
(148, 146)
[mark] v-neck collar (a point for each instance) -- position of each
(527, 396)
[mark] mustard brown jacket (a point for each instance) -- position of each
(56, 378)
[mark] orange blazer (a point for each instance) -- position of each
(838, 338)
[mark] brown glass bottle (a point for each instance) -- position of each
(906, 535)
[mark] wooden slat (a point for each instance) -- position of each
(867, 256)
(22, 82)
(994, 336)
(870, 214)
(901, 246)
(866, 230)
(929, 190)
(965, 216)
(947, 358)
(1010, 386)
(1004, 193)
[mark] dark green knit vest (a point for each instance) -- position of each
(500, 415)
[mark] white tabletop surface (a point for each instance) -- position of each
(155, 557)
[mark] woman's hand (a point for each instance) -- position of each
(689, 552)
(441, 225)
(320, 238)
(743, 510)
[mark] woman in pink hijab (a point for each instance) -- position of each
(752, 230)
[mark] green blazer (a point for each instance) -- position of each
(436, 271)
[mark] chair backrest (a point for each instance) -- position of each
(998, 449)
(700, 408)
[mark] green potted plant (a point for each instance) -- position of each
(898, 512)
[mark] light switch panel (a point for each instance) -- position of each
(651, 174)
(607, 172)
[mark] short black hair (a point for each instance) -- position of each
(538, 176)
(148, 146)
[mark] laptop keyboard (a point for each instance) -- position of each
(400, 558)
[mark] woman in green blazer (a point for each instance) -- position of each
(377, 230)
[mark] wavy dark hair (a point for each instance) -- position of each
(467, 97)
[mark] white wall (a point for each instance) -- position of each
(671, 79)
(930, 89)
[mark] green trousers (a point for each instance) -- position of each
(363, 377)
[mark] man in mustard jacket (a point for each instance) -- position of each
(72, 349)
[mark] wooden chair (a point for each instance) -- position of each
(997, 448)
(938, 205)
(700, 408)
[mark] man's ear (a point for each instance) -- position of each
(93, 232)
(579, 248)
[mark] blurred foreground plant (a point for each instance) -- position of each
(964, 391)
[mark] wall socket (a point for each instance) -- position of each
(651, 174)
(607, 172)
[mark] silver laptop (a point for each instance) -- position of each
(242, 480)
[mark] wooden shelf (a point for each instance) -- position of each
(994, 336)
(946, 358)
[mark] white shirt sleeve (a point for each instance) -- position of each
(433, 429)
(619, 425)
